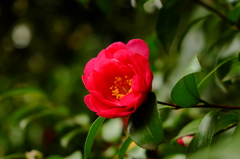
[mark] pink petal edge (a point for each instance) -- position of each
(138, 46)
(88, 101)
(89, 66)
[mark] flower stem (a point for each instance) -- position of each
(204, 105)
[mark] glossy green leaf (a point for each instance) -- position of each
(203, 138)
(190, 129)
(226, 121)
(145, 125)
(124, 148)
(228, 145)
(91, 136)
(185, 92)
(193, 67)
(234, 71)
(167, 24)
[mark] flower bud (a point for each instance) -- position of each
(185, 141)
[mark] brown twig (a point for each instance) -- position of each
(204, 105)
(217, 12)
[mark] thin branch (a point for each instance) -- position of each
(204, 105)
(220, 14)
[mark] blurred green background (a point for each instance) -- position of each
(45, 44)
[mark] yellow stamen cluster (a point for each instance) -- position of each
(121, 87)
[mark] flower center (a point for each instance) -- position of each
(121, 87)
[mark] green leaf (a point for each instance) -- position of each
(69, 136)
(189, 27)
(15, 156)
(145, 125)
(53, 111)
(236, 133)
(193, 67)
(167, 24)
(54, 157)
(91, 135)
(226, 121)
(234, 14)
(25, 111)
(185, 92)
(83, 1)
(190, 129)
(22, 90)
(215, 69)
(239, 56)
(234, 71)
(124, 148)
(203, 138)
(75, 155)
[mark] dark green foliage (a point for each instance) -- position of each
(204, 135)
(167, 24)
(145, 125)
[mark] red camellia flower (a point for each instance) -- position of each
(118, 79)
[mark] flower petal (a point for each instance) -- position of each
(100, 105)
(105, 73)
(138, 84)
(115, 112)
(89, 66)
(133, 100)
(111, 50)
(111, 101)
(139, 63)
(124, 56)
(103, 77)
(85, 81)
(145, 71)
(88, 101)
(138, 46)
